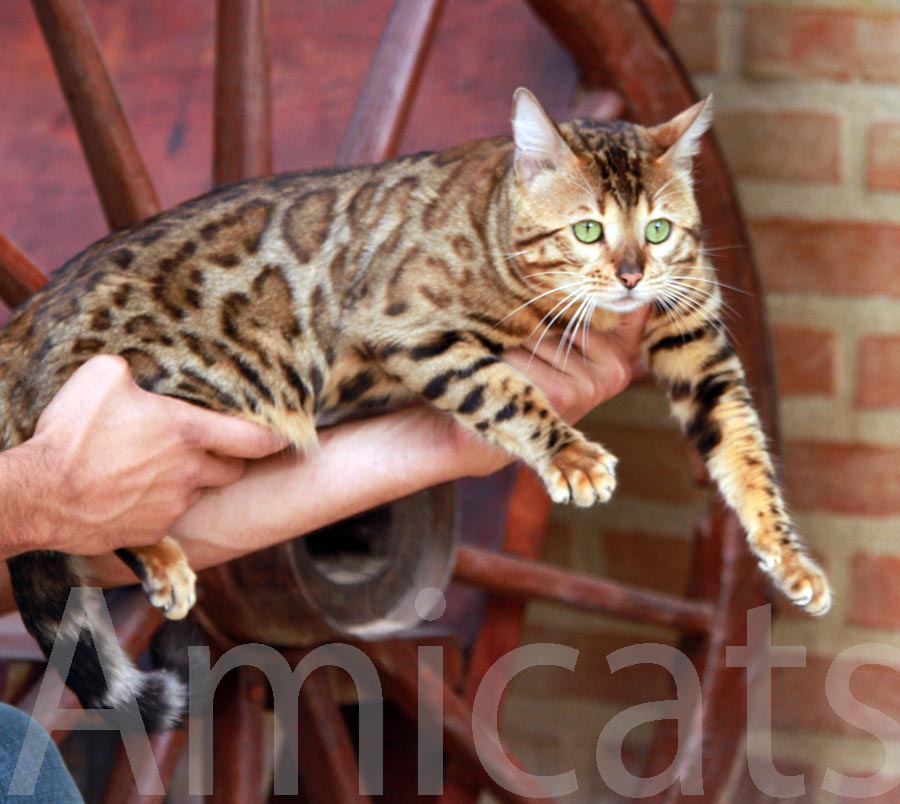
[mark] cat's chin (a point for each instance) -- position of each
(624, 304)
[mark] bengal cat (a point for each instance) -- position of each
(297, 299)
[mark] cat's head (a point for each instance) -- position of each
(604, 210)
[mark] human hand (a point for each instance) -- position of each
(576, 377)
(111, 465)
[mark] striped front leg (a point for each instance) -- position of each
(461, 373)
(705, 383)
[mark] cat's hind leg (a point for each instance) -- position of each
(167, 579)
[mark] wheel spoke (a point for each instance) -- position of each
(125, 779)
(530, 580)
(243, 117)
(19, 276)
(399, 673)
(383, 105)
(328, 762)
(601, 104)
(123, 184)
(237, 737)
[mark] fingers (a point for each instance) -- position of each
(631, 330)
(214, 470)
(577, 377)
(584, 383)
(225, 435)
(630, 334)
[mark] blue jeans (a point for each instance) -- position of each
(44, 765)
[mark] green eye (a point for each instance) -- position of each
(588, 231)
(657, 230)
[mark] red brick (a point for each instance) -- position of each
(695, 33)
(592, 678)
(875, 591)
(800, 42)
(843, 478)
(799, 701)
(828, 257)
(657, 562)
(878, 375)
(748, 793)
(802, 146)
(804, 359)
(876, 779)
(652, 462)
(878, 43)
(883, 156)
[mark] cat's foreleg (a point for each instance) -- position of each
(458, 373)
(708, 393)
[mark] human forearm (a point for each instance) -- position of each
(24, 524)
(359, 465)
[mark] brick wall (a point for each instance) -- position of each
(807, 99)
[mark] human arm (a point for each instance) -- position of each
(363, 464)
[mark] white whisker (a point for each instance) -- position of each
(569, 329)
(538, 298)
(575, 298)
(717, 282)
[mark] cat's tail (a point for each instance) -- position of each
(70, 622)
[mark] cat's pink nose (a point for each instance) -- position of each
(629, 276)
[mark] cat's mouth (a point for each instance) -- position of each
(625, 302)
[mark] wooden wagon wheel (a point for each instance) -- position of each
(617, 45)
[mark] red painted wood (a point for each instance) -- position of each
(720, 557)
(243, 115)
(120, 177)
(19, 276)
(125, 781)
(327, 759)
(397, 668)
(237, 738)
(528, 514)
(384, 103)
(530, 580)
(663, 10)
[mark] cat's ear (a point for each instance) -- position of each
(539, 145)
(680, 137)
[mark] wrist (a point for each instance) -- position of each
(25, 478)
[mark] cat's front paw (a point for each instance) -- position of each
(805, 584)
(582, 473)
(798, 577)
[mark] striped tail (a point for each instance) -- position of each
(71, 624)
